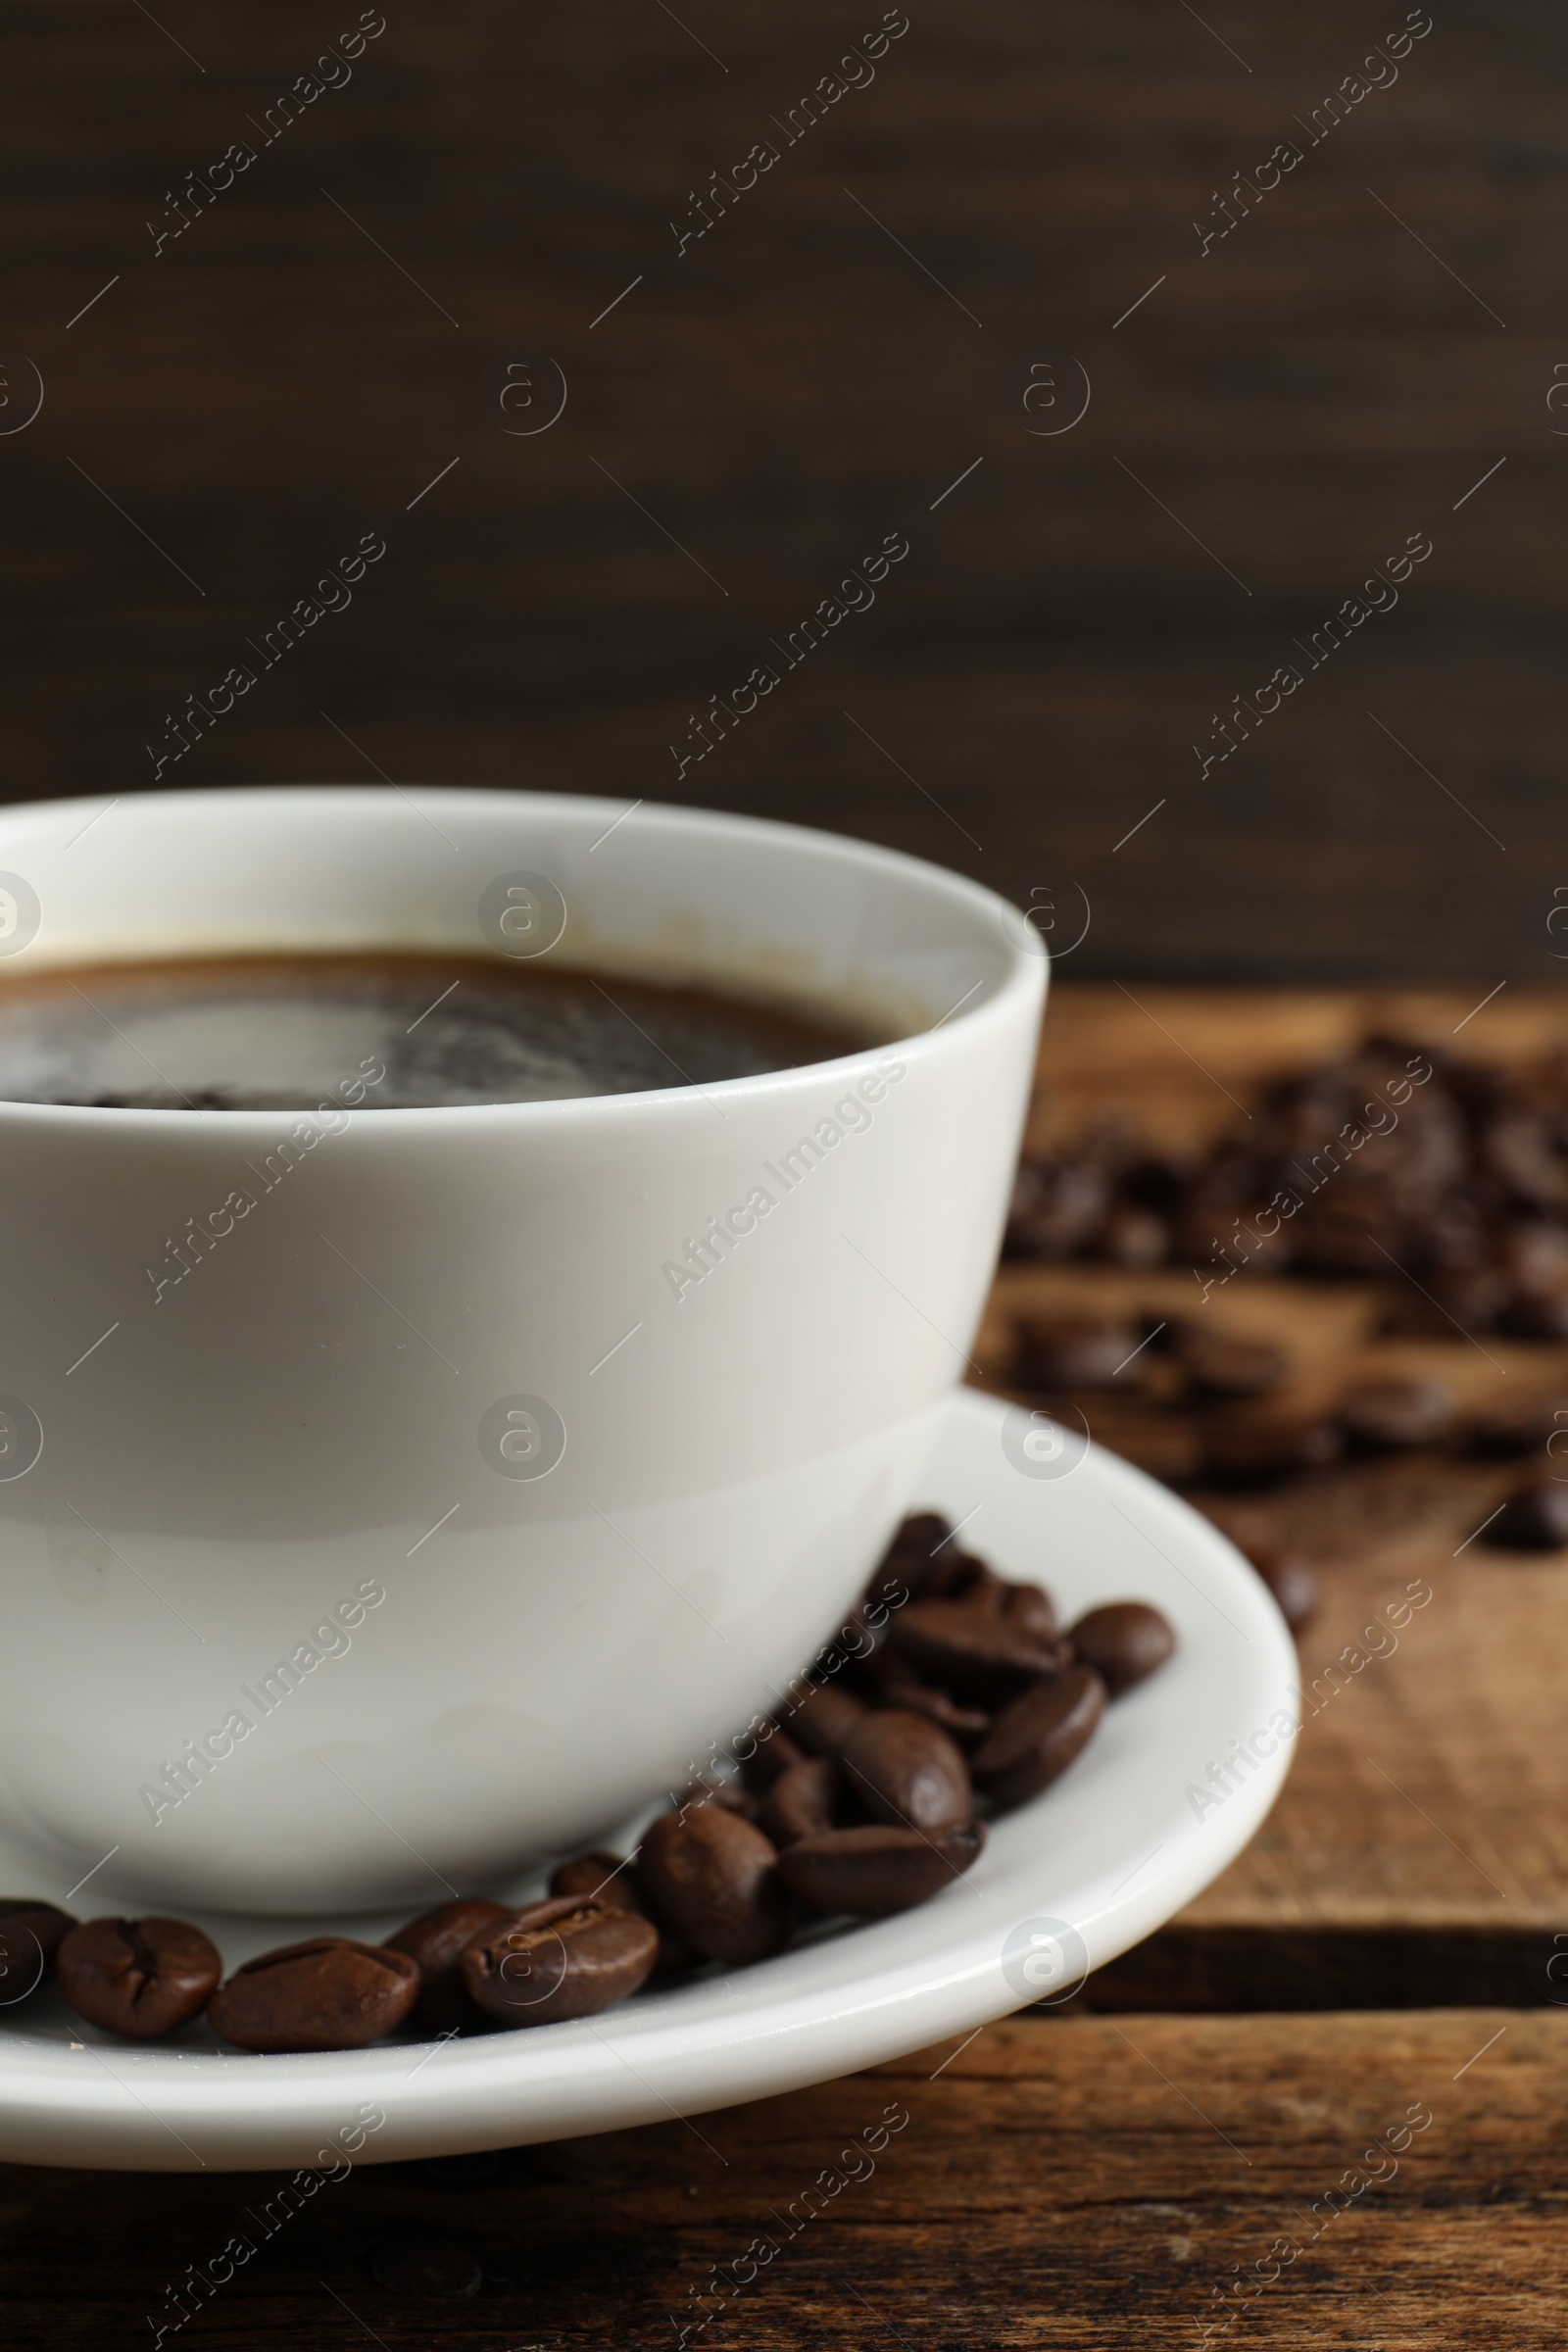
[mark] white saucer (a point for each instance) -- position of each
(1087, 1869)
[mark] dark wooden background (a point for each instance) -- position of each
(792, 387)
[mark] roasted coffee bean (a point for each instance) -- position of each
(1031, 1610)
(866, 1629)
(965, 1725)
(902, 1770)
(976, 1584)
(1392, 1413)
(1522, 1427)
(872, 1871)
(1515, 1147)
(31, 1933)
(1533, 1257)
(917, 1544)
(1058, 1202)
(434, 1941)
(824, 1719)
(978, 1658)
(326, 1993)
(562, 1958)
(607, 1879)
(1293, 1584)
(137, 1976)
(802, 1801)
(1123, 1642)
(1076, 1351)
(1223, 1363)
(1133, 1237)
(1035, 1739)
(1533, 1519)
(1249, 1450)
(426, 2265)
(597, 1878)
(771, 1756)
(712, 1880)
(904, 1567)
(730, 1797)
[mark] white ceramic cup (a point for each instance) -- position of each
(488, 1464)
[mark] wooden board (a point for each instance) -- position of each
(1275, 417)
(1083, 2182)
(1429, 1792)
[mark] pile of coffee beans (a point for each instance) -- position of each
(1457, 1171)
(859, 1800)
(866, 1795)
(1225, 1379)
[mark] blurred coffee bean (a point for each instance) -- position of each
(1532, 1255)
(1123, 1641)
(865, 1626)
(326, 1993)
(563, 1958)
(1031, 1610)
(964, 1725)
(873, 1871)
(1521, 1426)
(1222, 1364)
(1074, 1352)
(824, 1719)
(802, 1801)
(1515, 1147)
(137, 1976)
(410, 2265)
(730, 1797)
(434, 1941)
(1247, 1449)
(1058, 1202)
(976, 1584)
(1293, 1582)
(1537, 1315)
(712, 1880)
(1033, 1741)
(31, 1933)
(773, 1754)
(1135, 1237)
(921, 1533)
(900, 1769)
(912, 1561)
(978, 1658)
(1391, 1413)
(1473, 1297)
(1533, 1519)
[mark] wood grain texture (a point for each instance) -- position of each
(1280, 414)
(1076, 2182)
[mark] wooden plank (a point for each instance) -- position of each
(1161, 1059)
(1075, 2182)
(1428, 1791)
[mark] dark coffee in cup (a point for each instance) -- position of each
(278, 1033)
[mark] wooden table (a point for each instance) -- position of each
(1185, 2148)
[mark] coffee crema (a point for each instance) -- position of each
(380, 1031)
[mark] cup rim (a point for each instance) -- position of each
(1021, 982)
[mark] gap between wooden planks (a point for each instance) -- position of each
(1060, 2181)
